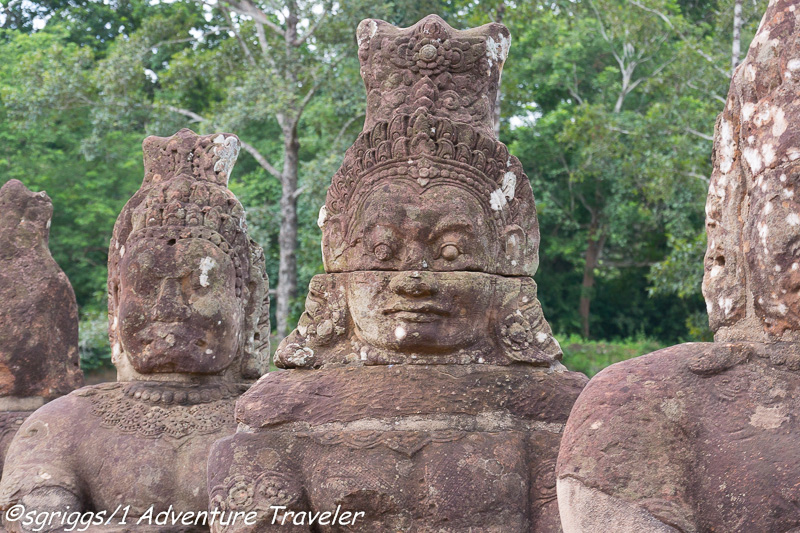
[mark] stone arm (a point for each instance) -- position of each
(251, 472)
(39, 474)
(624, 459)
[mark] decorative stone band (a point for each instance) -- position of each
(431, 150)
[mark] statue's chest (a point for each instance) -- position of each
(432, 477)
(155, 454)
(748, 459)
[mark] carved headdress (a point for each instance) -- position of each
(185, 195)
(430, 107)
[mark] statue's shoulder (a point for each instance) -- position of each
(348, 393)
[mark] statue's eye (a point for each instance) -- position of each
(450, 251)
(382, 251)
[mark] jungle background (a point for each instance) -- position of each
(609, 104)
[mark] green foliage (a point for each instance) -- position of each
(608, 103)
(95, 352)
(590, 357)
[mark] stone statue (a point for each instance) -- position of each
(189, 326)
(38, 313)
(703, 436)
(424, 390)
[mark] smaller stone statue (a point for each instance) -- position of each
(38, 313)
(189, 327)
(424, 390)
(702, 437)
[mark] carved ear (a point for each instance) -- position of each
(514, 241)
(322, 324)
(522, 329)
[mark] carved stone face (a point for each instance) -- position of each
(421, 312)
(178, 310)
(410, 229)
(403, 226)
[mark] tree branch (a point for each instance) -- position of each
(701, 135)
(226, 13)
(666, 19)
(247, 8)
(311, 30)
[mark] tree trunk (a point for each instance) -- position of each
(287, 238)
(501, 9)
(737, 35)
(593, 251)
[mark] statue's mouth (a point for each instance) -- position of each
(417, 313)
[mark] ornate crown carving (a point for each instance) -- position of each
(431, 149)
(454, 73)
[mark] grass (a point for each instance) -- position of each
(590, 357)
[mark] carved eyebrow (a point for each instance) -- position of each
(452, 225)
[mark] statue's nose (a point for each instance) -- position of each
(171, 305)
(416, 284)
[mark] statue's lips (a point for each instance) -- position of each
(417, 313)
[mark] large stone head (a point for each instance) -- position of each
(752, 265)
(39, 315)
(429, 227)
(187, 289)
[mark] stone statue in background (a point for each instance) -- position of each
(189, 326)
(38, 314)
(703, 436)
(424, 388)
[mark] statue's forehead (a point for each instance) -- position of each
(403, 200)
(175, 256)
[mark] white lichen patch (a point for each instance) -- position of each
(497, 200)
(497, 51)
(769, 417)
(227, 151)
(206, 264)
(793, 64)
(400, 333)
(541, 337)
(779, 123)
(716, 270)
(768, 151)
(122, 252)
(373, 29)
(509, 186)
(727, 148)
(747, 110)
(782, 308)
(792, 153)
(793, 219)
(323, 216)
(753, 159)
(725, 305)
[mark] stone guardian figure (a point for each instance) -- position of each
(702, 437)
(424, 389)
(189, 327)
(38, 313)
